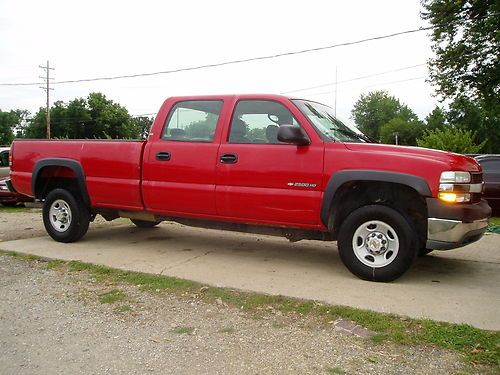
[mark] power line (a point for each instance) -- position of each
(353, 79)
(378, 84)
(232, 62)
(89, 119)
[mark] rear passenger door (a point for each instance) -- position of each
(179, 165)
(260, 179)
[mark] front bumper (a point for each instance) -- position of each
(452, 226)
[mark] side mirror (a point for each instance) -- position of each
(293, 134)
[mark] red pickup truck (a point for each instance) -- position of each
(264, 164)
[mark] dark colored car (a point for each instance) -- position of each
(491, 177)
(9, 197)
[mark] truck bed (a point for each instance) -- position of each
(112, 168)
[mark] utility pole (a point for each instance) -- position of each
(47, 89)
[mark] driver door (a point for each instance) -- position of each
(260, 179)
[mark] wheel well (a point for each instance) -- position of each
(52, 177)
(355, 194)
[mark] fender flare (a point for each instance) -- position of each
(340, 178)
(74, 165)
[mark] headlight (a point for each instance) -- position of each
(455, 177)
(455, 187)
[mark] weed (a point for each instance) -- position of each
(122, 309)
(183, 330)
(112, 296)
(54, 263)
(334, 371)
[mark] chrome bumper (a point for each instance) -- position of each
(444, 234)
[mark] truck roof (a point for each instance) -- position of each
(233, 96)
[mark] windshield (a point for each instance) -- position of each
(327, 125)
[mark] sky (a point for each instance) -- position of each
(89, 39)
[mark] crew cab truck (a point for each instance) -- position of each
(264, 164)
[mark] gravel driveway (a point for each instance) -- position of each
(57, 322)
(52, 322)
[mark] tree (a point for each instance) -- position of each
(450, 139)
(12, 124)
(465, 42)
(466, 66)
(436, 119)
(407, 131)
(7, 122)
(376, 109)
(469, 115)
(91, 118)
(143, 124)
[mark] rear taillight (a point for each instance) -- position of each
(11, 161)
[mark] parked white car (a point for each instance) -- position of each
(4, 162)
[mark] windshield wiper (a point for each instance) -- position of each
(352, 134)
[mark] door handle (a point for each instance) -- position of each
(229, 158)
(163, 156)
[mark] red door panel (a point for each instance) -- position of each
(270, 183)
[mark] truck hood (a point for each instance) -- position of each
(448, 160)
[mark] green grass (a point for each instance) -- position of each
(494, 220)
(334, 371)
(122, 309)
(55, 263)
(112, 296)
(477, 346)
(15, 209)
(183, 330)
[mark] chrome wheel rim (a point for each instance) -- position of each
(375, 244)
(60, 215)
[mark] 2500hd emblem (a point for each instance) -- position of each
(301, 184)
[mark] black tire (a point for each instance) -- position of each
(395, 261)
(63, 202)
(144, 223)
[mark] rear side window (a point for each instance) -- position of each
(192, 121)
(258, 121)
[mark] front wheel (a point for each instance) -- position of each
(65, 218)
(377, 243)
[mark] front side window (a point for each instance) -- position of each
(192, 121)
(258, 121)
(328, 126)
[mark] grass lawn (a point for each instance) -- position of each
(495, 220)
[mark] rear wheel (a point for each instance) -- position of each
(144, 223)
(377, 243)
(66, 219)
